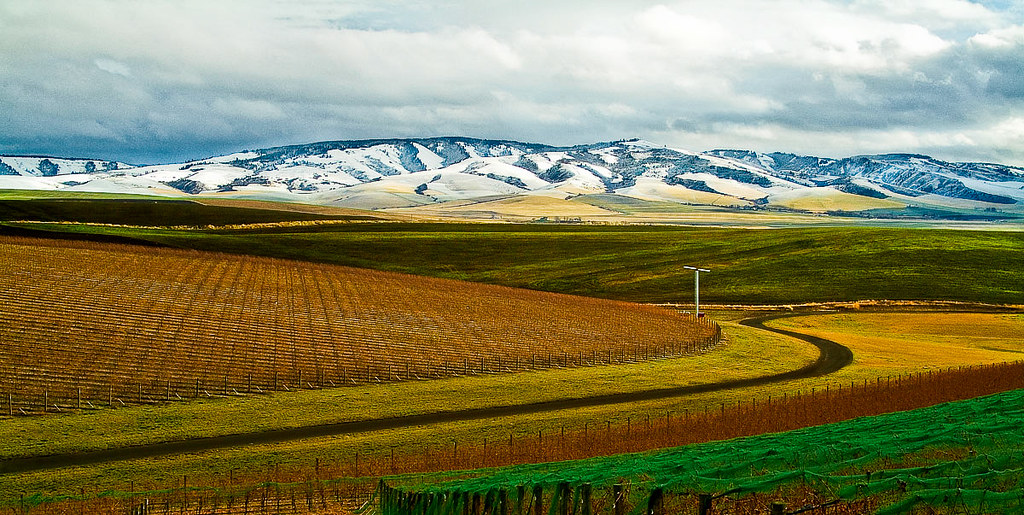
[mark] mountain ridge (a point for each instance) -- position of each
(405, 172)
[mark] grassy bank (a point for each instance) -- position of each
(759, 353)
(644, 264)
(959, 456)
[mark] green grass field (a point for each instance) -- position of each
(961, 455)
(644, 264)
(147, 212)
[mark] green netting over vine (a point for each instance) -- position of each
(961, 454)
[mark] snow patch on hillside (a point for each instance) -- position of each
(433, 170)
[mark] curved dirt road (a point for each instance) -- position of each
(832, 357)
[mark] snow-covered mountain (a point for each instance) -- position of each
(409, 172)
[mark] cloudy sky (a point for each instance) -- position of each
(161, 81)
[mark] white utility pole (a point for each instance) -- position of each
(696, 287)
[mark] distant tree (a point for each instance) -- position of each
(90, 167)
(5, 169)
(48, 168)
(110, 165)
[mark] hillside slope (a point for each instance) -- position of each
(392, 173)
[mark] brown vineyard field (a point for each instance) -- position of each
(91, 324)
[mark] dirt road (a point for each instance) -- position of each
(832, 357)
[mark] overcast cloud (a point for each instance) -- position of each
(162, 81)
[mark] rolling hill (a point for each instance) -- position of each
(403, 173)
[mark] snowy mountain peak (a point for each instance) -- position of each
(46, 166)
(405, 172)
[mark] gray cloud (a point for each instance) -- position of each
(164, 81)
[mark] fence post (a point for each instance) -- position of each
(538, 500)
(704, 504)
(502, 501)
(564, 498)
(618, 500)
(585, 492)
(656, 503)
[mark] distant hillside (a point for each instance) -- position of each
(388, 173)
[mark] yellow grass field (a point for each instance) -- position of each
(883, 344)
(820, 200)
(887, 343)
(519, 208)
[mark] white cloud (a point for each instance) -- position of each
(215, 76)
(114, 67)
(1007, 133)
(956, 15)
(1006, 37)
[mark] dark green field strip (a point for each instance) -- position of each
(147, 212)
(832, 357)
(645, 264)
(28, 232)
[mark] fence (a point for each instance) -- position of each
(523, 490)
(819, 406)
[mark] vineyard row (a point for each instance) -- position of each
(60, 395)
(87, 325)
